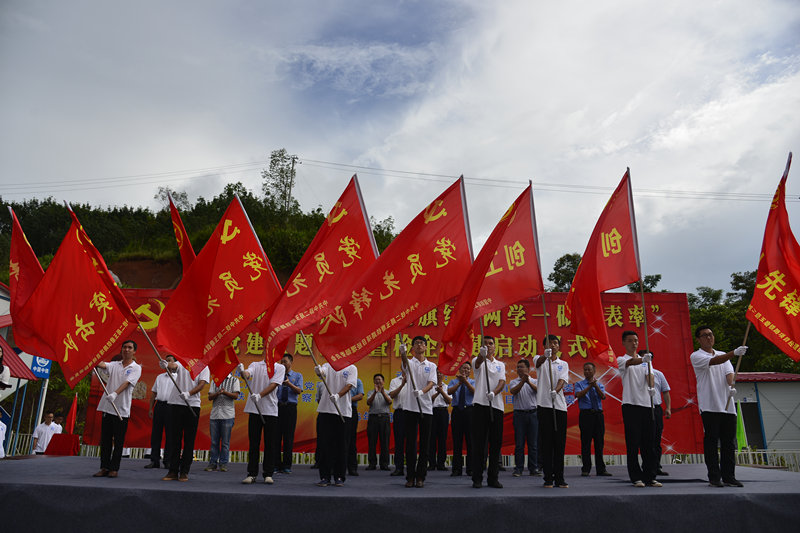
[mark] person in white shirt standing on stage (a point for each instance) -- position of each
(183, 419)
(223, 414)
(122, 377)
(487, 415)
(262, 406)
(418, 412)
(714, 373)
(159, 411)
(552, 406)
(332, 449)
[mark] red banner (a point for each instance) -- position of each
(182, 238)
(517, 331)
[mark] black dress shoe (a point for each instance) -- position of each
(495, 484)
(455, 473)
(661, 473)
(372, 467)
(352, 472)
(397, 472)
(715, 483)
(151, 465)
(733, 482)
(476, 484)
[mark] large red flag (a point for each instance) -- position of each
(610, 261)
(506, 270)
(24, 274)
(77, 310)
(342, 251)
(230, 283)
(184, 244)
(425, 265)
(775, 306)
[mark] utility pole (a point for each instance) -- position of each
(288, 200)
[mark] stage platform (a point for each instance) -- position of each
(44, 493)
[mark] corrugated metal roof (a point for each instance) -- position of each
(759, 377)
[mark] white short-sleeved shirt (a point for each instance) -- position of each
(661, 385)
(560, 372)
(424, 372)
(117, 374)
(397, 402)
(259, 380)
(223, 407)
(44, 433)
(439, 401)
(162, 387)
(184, 380)
(525, 399)
(712, 382)
(497, 372)
(634, 382)
(336, 381)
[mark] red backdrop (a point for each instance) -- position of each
(518, 331)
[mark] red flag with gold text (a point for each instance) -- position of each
(506, 271)
(775, 306)
(341, 252)
(424, 266)
(77, 310)
(182, 238)
(610, 261)
(229, 284)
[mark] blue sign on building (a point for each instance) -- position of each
(41, 367)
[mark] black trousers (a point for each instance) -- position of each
(639, 435)
(487, 427)
(255, 429)
(461, 429)
(182, 427)
(659, 431)
(417, 462)
(287, 423)
(399, 433)
(593, 429)
(378, 432)
(352, 435)
(437, 450)
(554, 441)
(160, 413)
(112, 440)
(332, 450)
(720, 430)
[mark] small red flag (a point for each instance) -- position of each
(69, 425)
(424, 266)
(506, 271)
(775, 306)
(610, 261)
(229, 284)
(184, 244)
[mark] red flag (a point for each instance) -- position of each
(69, 425)
(184, 244)
(77, 310)
(775, 306)
(610, 261)
(506, 271)
(227, 286)
(343, 249)
(425, 265)
(24, 275)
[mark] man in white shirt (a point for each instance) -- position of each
(262, 406)
(43, 433)
(437, 451)
(662, 397)
(418, 410)
(637, 412)
(714, 373)
(332, 449)
(223, 414)
(183, 418)
(398, 423)
(122, 377)
(526, 423)
(553, 375)
(158, 412)
(487, 415)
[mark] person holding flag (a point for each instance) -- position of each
(553, 375)
(487, 415)
(418, 410)
(715, 377)
(116, 407)
(334, 408)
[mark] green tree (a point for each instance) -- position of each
(179, 198)
(650, 282)
(564, 272)
(279, 181)
(383, 231)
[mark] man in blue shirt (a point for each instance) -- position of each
(590, 395)
(526, 423)
(287, 415)
(356, 395)
(462, 389)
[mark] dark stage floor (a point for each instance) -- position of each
(60, 494)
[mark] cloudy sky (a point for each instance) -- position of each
(103, 101)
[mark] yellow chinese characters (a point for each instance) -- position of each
(445, 248)
(360, 301)
(350, 247)
(390, 283)
(230, 283)
(611, 242)
(322, 266)
(415, 266)
(252, 260)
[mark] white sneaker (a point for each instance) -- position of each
(268, 480)
(249, 479)
(638, 484)
(654, 483)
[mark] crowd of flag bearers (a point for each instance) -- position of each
(352, 299)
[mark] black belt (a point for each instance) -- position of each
(593, 411)
(379, 415)
(284, 404)
(525, 410)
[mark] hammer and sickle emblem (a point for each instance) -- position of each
(178, 235)
(430, 214)
(226, 235)
(333, 219)
(147, 318)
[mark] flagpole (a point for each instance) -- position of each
(171, 377)
(250, 389)
(102, 384)
(324, 381)
(739, 362)
(486, 370)
(404, 359)
(549, 365)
